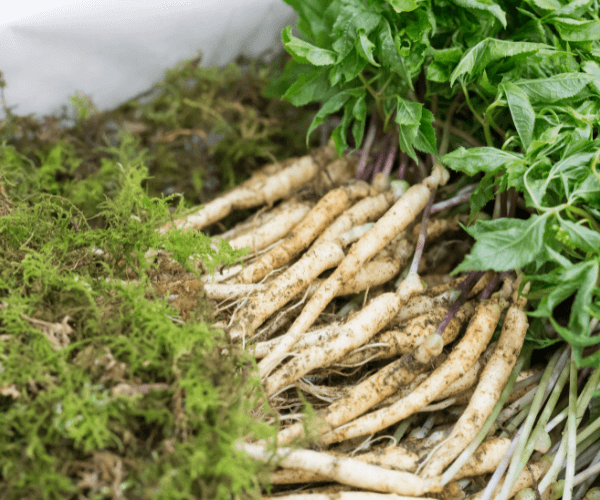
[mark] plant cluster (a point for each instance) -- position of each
(521, 76)
(518, 84)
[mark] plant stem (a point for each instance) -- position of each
(378, 162)
(518, 460)
(422, 234)
(391, 155)
(361, 170)
(446, 131)
(465, 288)
(402, 167)
(462, 196)
(465, 136)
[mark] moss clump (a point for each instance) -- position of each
(204, 130)
(105, 390)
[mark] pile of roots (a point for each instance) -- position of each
(346, 299)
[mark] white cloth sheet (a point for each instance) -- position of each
(113, 50)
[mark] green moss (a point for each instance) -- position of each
(136, 402)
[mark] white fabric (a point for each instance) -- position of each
(113, 50)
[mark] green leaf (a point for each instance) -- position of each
(573, 30)
(554, 88)
(352, 17)
(339, 134)
(304, 52)
(579, 279)
(350, 67)
(425, 139)
(593, 69)
(485, 5)
(578, 236)
(311, 22)
(482, 194)
(359, 113)
(573, 8)
(403, 5)
(365, 48)
(331, 106)
(588, 190)
(474, 160)
(309, 86)
(408, 112)
(489, 50)
(547, 4)
(522, 112)
(505, 244)
(388, 54)
(408, 117)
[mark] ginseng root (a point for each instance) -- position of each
(265, 187)
(321, 216)
(357, 331)
(462, 357)
(369, 392)
(347, 470)
(272, 230)
(395, 220)
(486, 395)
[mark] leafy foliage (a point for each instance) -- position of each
(526, 76)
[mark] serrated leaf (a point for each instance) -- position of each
(406, 139)
(505, 244)
(352, 17)
(593, 69)
(310, 18)
(554, 88)
(474, 160)
(352, 65)
(522, 112)
(408, 112)
(403, 5)
(308, 87)
(482, 194)
(485, 83)
(579, 236)
(305, 52)
(408, 117)
(331, 106)
(579, 279)
(547, 4)
(588, 190)
(486, 6)
(489, 50)
(388, 54)
(339, 134)
(573, 30)
(365, 48)
(425, 138)
(359, 113)
(437, 72)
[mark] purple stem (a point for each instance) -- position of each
(422, 234)
(402, 167)
(361, 171)
(487, 291)
(462, 197)
(378, 164)
(464, 287)
(391, 156)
